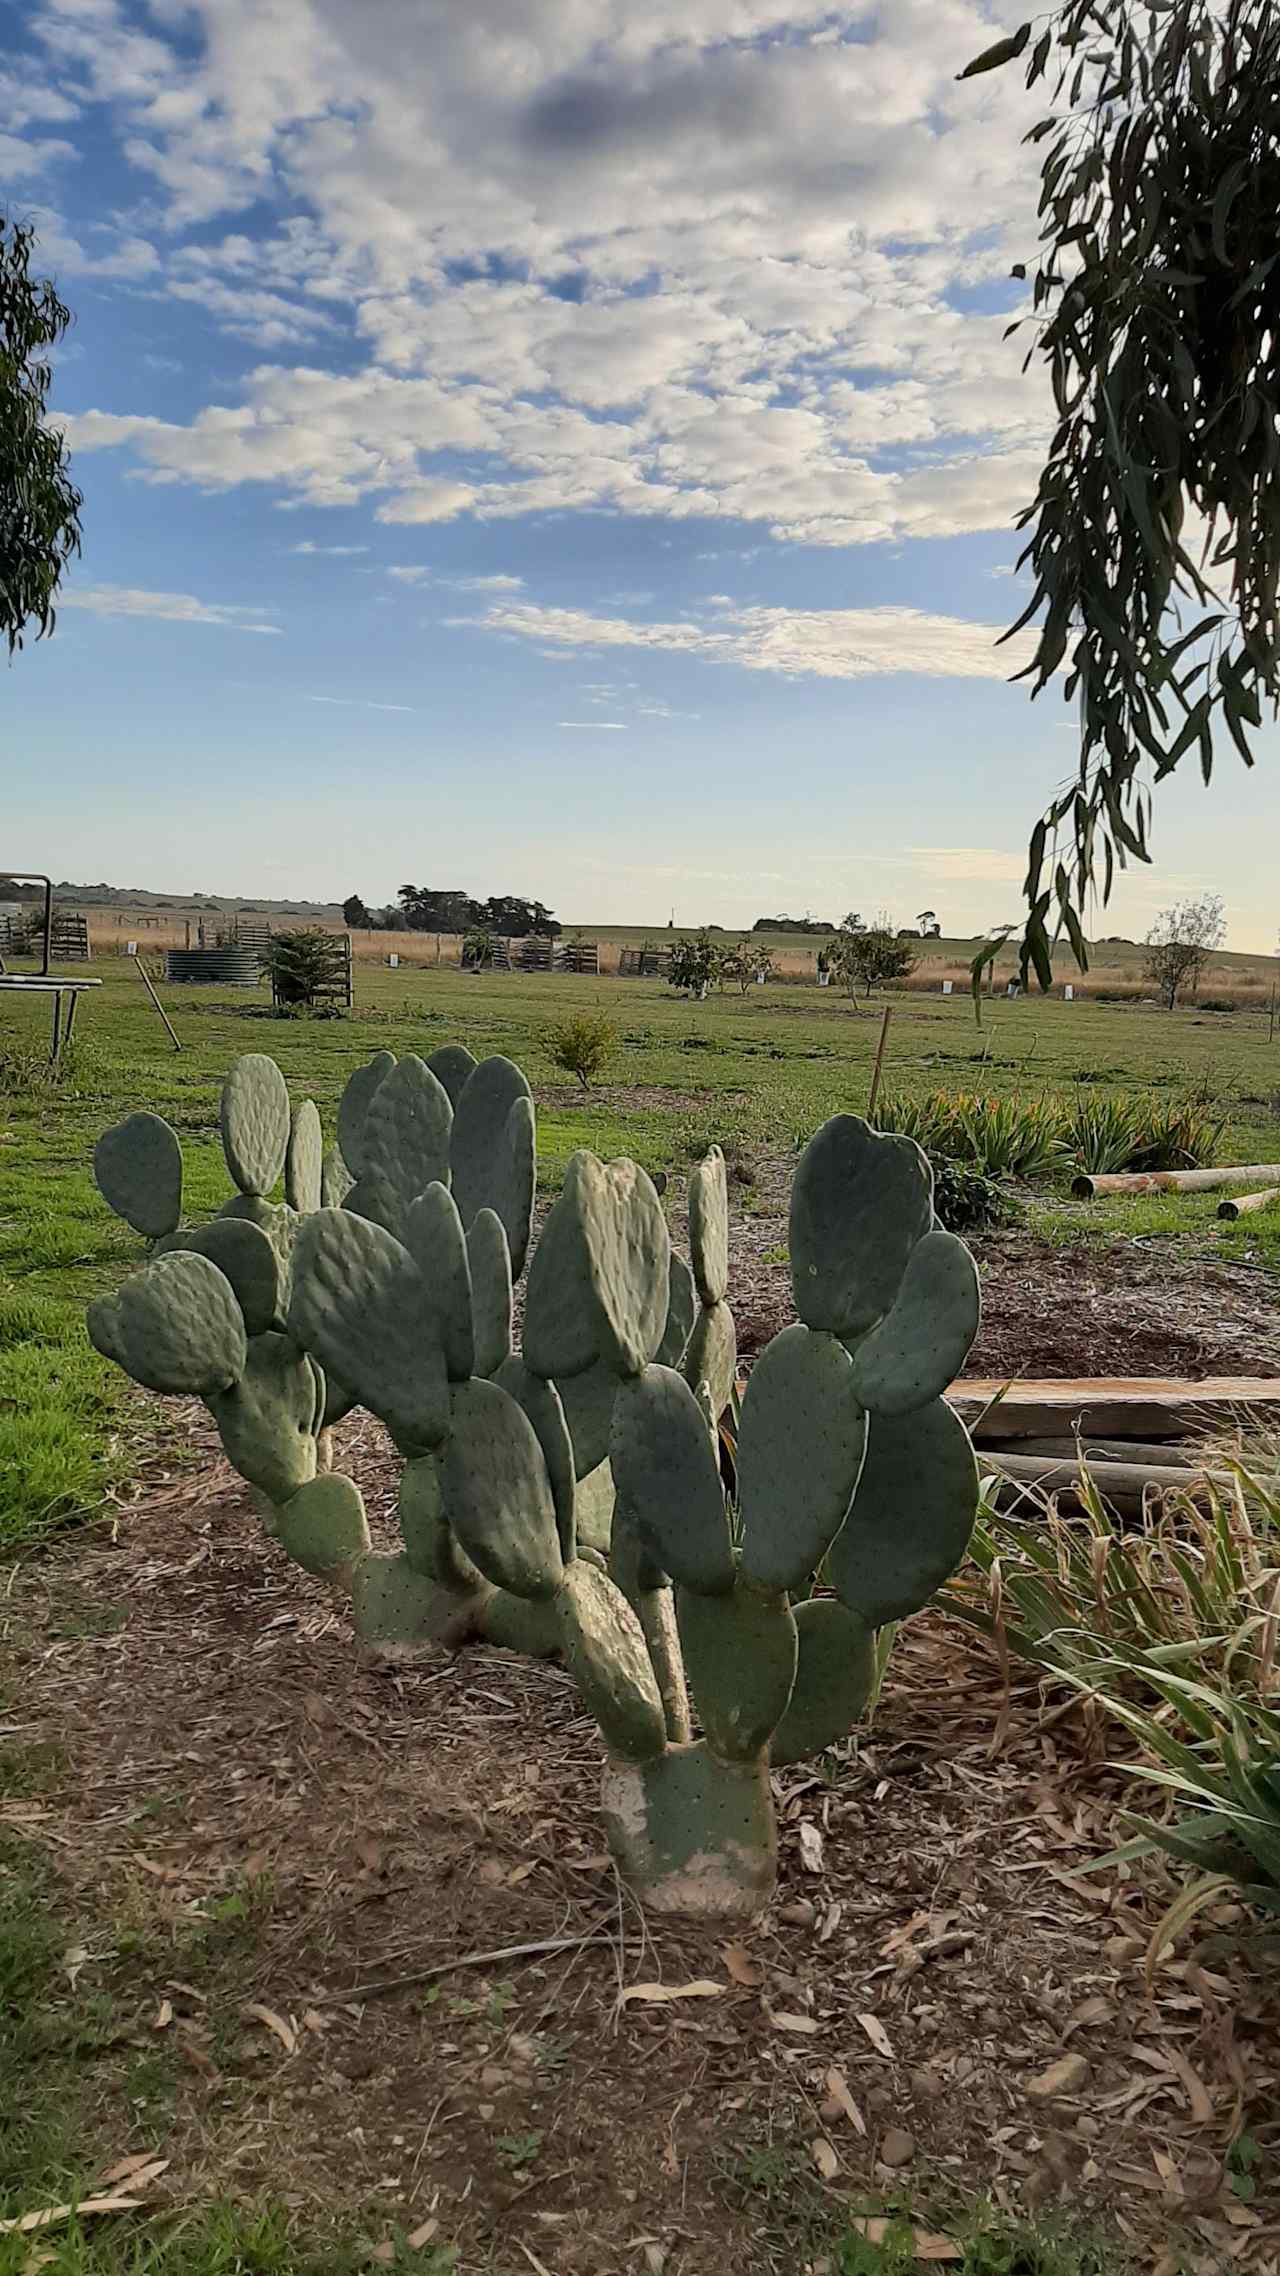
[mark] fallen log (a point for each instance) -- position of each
(1125, 1484)
(1104, 1453)
(1121, 1406)
(1086, 1186)
(1242, 1202)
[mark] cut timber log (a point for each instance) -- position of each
(1242, 1202)
(1085, 1187)
(1120, 1406)
(1103, 1453)
(1127, 1484)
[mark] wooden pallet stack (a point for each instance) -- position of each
(1140, 1437)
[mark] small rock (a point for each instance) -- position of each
(1065, 2076)
(1087, 2126)
(493, 2078)
(897, 2148)
(879, 2098)
(926, 2085)
(799, 1915)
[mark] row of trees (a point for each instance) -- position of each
(428, 909)
(927, 925)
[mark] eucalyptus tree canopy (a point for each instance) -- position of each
(39, 504)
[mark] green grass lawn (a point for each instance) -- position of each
(755, 1072)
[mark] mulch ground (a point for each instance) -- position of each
(287, 1865)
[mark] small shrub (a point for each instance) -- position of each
(303, 967)
(583, 1046)
(965, 1201)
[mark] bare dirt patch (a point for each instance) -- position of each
(285, 1863)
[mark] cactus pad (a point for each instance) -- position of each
(489, 1261)
(478, 1144)
(588, 1402)
(709, 1227)
(859, 1204)
(435, 1240)
(920, 1346)
(497, 1494)
(336, 1180)
(800, 1448)
(175, 1326)
(304, 1158)
(605, 1653)
(599, 1285)
(255, 1120)
(693, 1834)
(453, 1066)
(682, 1311)
(269, 1418)
(834, 1674)
(740, 1659)
(404, 1144)
(664, 1464)
(324, 1528)
(245, 1255)
(541, 1403)
(354, 1104)
(912, 1515)
(361, 1306)
(711, 1355)
(138, 1170)
(398, 1614)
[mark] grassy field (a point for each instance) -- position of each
(755, 1073)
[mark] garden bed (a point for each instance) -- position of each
(249, 1830)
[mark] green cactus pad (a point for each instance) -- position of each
(435, 1240)
(374, 1198)
(665, 1468)
(360, 1305)
(599, 1285)
(859, 1204)
(692, 1834)
(541, 1403)
(404, 1144)
(834, 1674)
(428, 1544)
(304, 1159)
(324, 1528)
(740, 1659)
(336, 1180)
(682, 1311)
(497, 1494)
(489, 1261)
(399, 1614)
(137, 1167)
(606, 1654)
(519, 1624)
(354, 1105)
(453, 1066)
(246, 1257)
(175, 1326)
(588, 1402)
(920, 1346)
(912, 1515)
(709, 1227)
(254, 1116)
(479, 1145)
(800, 1447)
(711, 1355)
(268, 1420)
(513, 1180)
(594, 1502)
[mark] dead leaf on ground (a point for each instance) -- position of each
(274, 2023)
(420, 2237)
(837, 2086)
(824, 2158)
(740, 1965)
(878, 2036)
(51, 2216)
(812, 1855)
(141, 2162)
(163, 2015)
(1062, 2077)
(803, 2023)
(926, 2244)
(658, 1995)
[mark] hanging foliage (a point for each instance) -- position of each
(1155, 532)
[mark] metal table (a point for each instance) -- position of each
(49, 984)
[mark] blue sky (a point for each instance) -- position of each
(567, 449)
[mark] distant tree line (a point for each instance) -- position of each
(927, 925)
(427, 909)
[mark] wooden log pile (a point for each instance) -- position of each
(1140, 1437)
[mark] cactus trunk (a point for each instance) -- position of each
(693, 1834)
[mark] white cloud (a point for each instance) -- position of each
(608, 726)
(722, 259)
(408, 576)
(334, 552)
(360, 702)
(172, 608)
(839, 644)
(981, 865)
